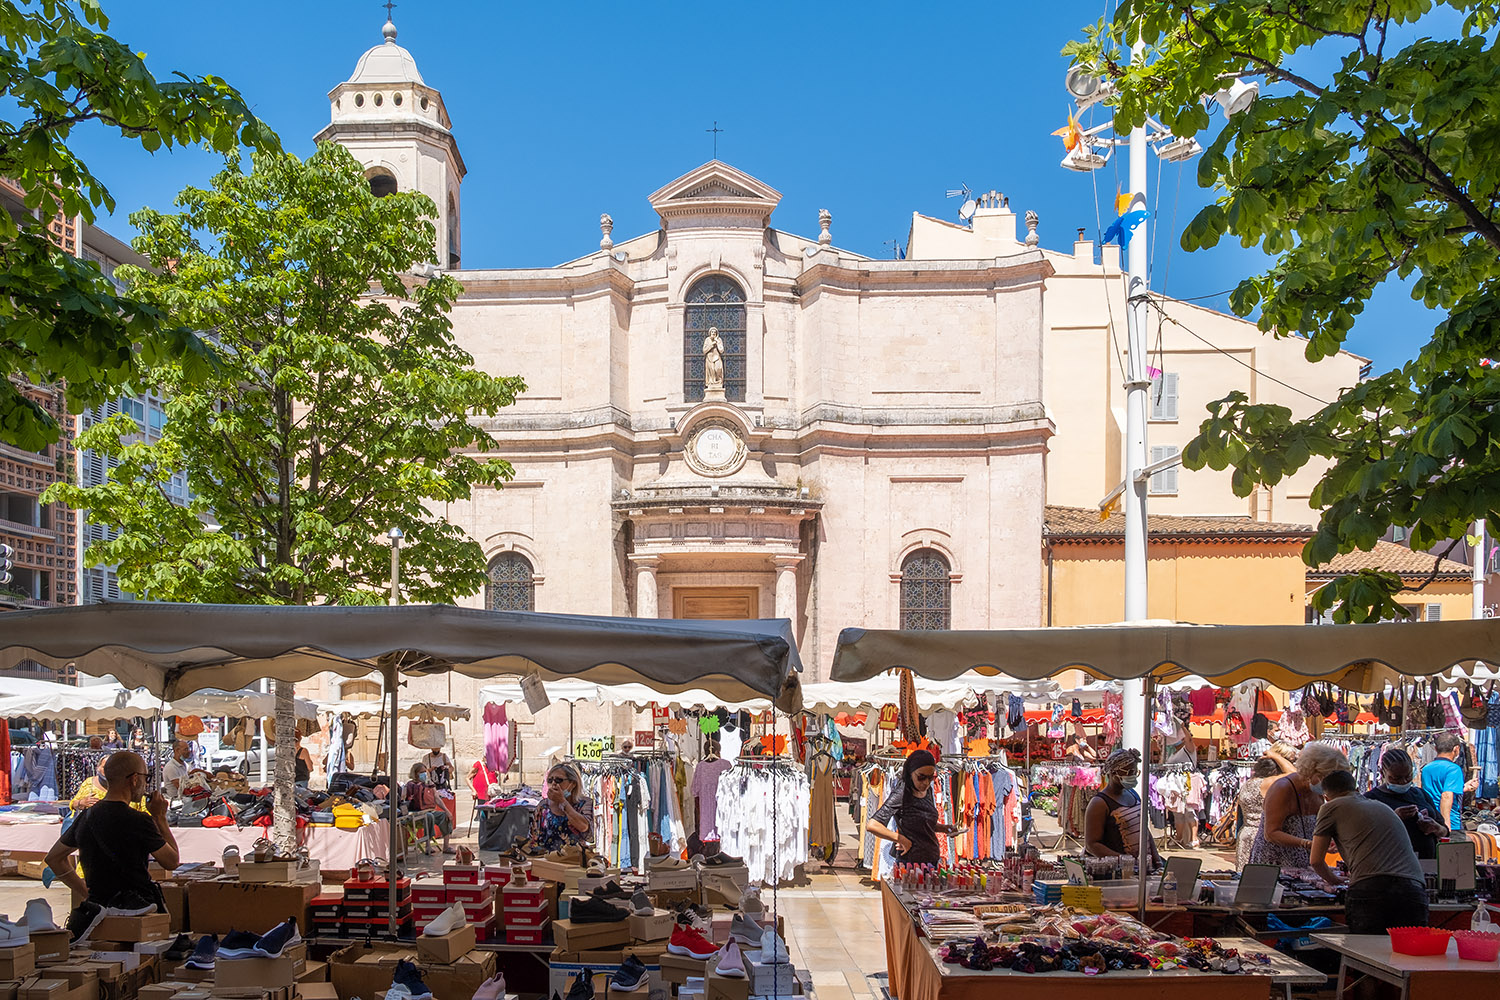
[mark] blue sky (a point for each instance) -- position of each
(565, 111)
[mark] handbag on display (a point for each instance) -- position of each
(426, 735)
(189, 726)
(1436, 717)
(1475, 707)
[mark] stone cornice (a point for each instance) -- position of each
(544, 280)
(1021, 270)
(399, 129)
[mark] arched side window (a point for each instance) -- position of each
(926, 591)
(382, 182)
(511, 586)
(714, 301)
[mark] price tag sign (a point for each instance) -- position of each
(593, 748)
(677, 727)
(660, 715)
(890, 718)
(766, 718)
(645, 737)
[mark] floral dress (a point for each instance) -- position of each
(550, 831)
(1298, 824)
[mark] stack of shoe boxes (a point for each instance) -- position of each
(525, 911)
(367, 904)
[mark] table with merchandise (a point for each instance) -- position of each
(954, 946)
(1419, 977)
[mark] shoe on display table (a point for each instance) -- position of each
(239, 944)
(274, 941)
(688, 942)
(38, 916)
(203, 956)
(629, 977)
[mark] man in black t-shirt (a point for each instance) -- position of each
(114, 841)
(1415, 807)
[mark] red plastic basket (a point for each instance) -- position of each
(1477, 946)
(1419, 940)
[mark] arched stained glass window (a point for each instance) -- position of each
(714, 301)
(926, 591)
(511, 586)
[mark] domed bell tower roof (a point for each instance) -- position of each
(386, 62)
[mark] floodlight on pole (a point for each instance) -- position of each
(1086, 88)
(1237, 97)
(1174, 150)
(1084, 159)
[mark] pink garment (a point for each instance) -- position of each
(496, 738)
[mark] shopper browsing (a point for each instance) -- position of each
(174, 770)
(421, 797)
(1291, 811)
(1386, 885)
(1412, 804)
(1252, 801)
(566, 816)
(114, 843)
(915, 812)
(1443, 781)
(1112, 822)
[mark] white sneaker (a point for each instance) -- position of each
(38, 916)
(772, 948)
(449, 920)
(13, 935)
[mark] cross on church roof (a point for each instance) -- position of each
(388, 5)
(715, 130)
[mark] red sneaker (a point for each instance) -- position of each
(686, 941)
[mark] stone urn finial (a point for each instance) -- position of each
(825, 220)
(1031, 237)
(606, 227)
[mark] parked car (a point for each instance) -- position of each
(235, 760)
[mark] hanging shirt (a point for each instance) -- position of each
(706, 787)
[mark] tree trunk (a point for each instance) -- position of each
(285, 829)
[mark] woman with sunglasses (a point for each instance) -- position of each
(566, 815)
(915, 812)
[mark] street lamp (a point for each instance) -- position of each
(395, 535)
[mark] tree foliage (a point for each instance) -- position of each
(340, 407)
(1386, 164)
(59, 318)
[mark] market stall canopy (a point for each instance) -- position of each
(359, 708)
(106, 702)
(824, 696)
(176, 649)
(1357, 657)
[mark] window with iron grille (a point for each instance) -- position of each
(511, 586)
(926, 591)
(714, 301)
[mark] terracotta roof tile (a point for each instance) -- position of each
(1392, 558)
(1082, 524)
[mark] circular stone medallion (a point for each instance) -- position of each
(715, 448)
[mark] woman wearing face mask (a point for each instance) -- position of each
(421, 797)
(1291, 811)
(1412, 804)
(915, 813)
(1112, 823)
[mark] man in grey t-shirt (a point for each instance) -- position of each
(1386, 885)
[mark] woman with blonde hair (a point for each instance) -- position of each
(1291, 809)
(565, 816)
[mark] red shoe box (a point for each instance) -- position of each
(524, 896)
(479, 914)
(525, 917)
(377, 890)
(487, 931)
(525, 935)
(462, 875)
(429, 894)
(497, 875)
(471, 895)
(326, 907)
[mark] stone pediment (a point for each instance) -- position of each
(715, 191)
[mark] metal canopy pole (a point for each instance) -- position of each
(392, 819)
(1143, 847)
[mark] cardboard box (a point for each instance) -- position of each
(738, 874)
(17, 962)
(360, 971)
(590, 937)
(220, 906)
(455, 874)
(717, 987)
(317, 991)
(779, 979)
(448, 947)
(151, 927)
(656, 926)
(676, 878)
(554, 871)
(45, 989)
(51, 947)
(253, 972)
(162, 991)
(560, 977)
(679, 968)
(312, 972)
(75, 974)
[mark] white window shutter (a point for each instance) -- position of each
(1164, 483)
(1434, 612)
(1164, 396)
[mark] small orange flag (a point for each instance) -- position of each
(1072, 133)
(1122, 202)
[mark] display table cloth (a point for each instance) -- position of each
(335, 850)
(502, 826)
(1419, 977)
(915, 973)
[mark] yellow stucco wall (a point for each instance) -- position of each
(1205, 583)
(1455, 596)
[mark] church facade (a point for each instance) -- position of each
(726, 419)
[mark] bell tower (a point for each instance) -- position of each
(398, 129)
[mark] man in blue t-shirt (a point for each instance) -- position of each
(1443, 779)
